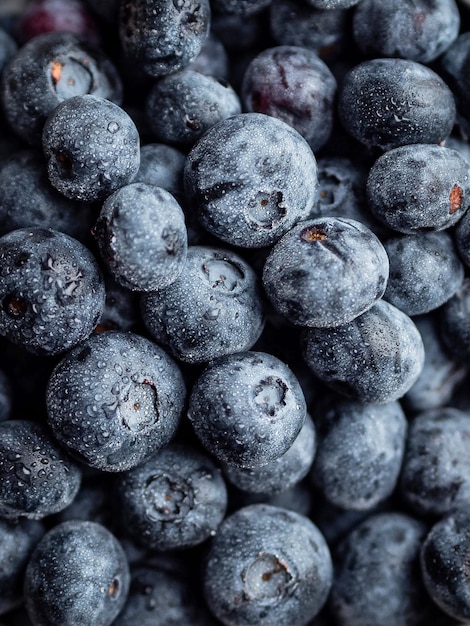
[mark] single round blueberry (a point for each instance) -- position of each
(325, 272)
(281, 474)
(214, 308)
(142, 237)
(247, 408)
(435, 475)
(51, 290)
(374, 359)
(165, 37)
(176, 499)
(37, 477)
(377, 578)
(78, 574)
(115, 400)
(418, 30)
(46, 71)
(386, 103)
(418, 188)
(360, 452)
(91, 146)
(251, 178)
(181, 107)
(267, 565)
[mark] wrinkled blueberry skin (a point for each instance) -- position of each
(23, 177)
(51, 290)
(250, 178)
(377, 578)
(360, 452)
(442, 372)
(284, 472)
(37, 477)
(325, 272)
(140, 394)
(387, 103)
(373, 359)
(214, 308)
(165, 37)
(247, 408)
(17, 542)
(454, 318)
(417, 30)
(181, 107)
(142, 237)
(161, 598)
(436, 471)
(267, 565)
(425, 271)
(176, 499)
(5, 397)
(39, 77)
(78, 574)
(444, 562)
(453, 67)
(91, 146)
(419, 187)
(294, 85)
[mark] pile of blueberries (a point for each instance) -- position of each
(235, 313)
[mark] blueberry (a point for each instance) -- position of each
(376, 358)
(425, 271)
(325, 272)
(239, 7)
(462, 238)
(78, 574)
(181, 107)
(281, 474)
(418, 188)
(93, 502)
(213, 59)
(115, 400)
(176, 499)
(333, 4)
(214, 308)
(377, 578)
(454, 317)
(91, 146)
(360, 452)
(267, 565)
(435, 475)
(387, 103)
(8, 47)
(250, 178)
(37, 477)
(162, 165)
(121, 309)
(51, 290)
(247, 408)
(142, 237)
(411, 29)
(453, 66)
(48, 70)
(294, 85)
(164, 38)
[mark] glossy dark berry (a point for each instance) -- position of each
(78, 574)
(51, 290)
(115, 400)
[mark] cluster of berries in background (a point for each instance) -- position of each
(234, 313)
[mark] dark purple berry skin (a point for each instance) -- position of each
(78, 574)
(419, 187)
(325, 272)
(250, 178)
(247, 408)
(418, 30)
(51, 290)
(181, 107)
(48, 70)
(92, 148)
(140, 394)
(386, 103)
(373, 359)
(267, 565)
(176, 499)
(165, 37)
(37, 477)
